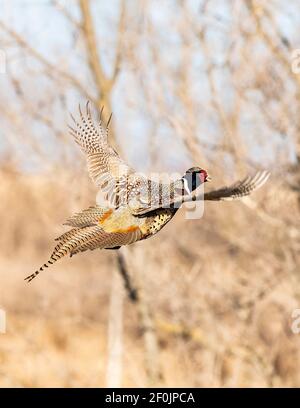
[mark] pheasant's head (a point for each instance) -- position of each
(194, 177)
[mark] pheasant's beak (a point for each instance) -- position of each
(208, 178)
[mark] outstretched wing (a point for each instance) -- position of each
(239, 189)
(106, 168)
(87, 218)
(236, 191)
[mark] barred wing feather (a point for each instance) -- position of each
(239, 189)
(104, 164)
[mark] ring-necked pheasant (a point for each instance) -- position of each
(135, 207)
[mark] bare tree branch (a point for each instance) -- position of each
(52, 70)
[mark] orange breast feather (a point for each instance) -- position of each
(115, 222)
(105, 216)
(131, 228)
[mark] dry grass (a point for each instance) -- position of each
(222, 290)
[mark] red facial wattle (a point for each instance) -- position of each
(203, 176)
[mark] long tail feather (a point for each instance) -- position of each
(57, 254)
(66, 244)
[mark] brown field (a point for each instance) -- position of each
(222, 290)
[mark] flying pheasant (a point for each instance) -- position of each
(133, 207)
